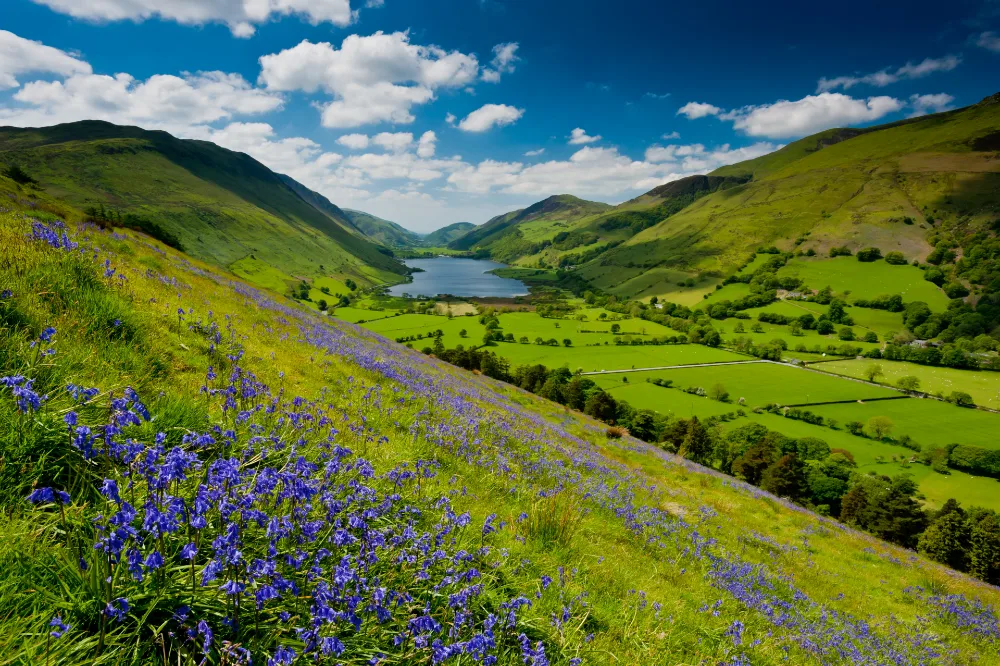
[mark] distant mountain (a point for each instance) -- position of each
(446, 235)
(222, 205)
(382, 231)
(519, 233)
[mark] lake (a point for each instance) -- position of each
(458, 277)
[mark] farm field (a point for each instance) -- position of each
(931, 423)
(862, 279)
(582, 333)
(764, 383)
(612, 357)
(413, 324)
(354, 315)
(643, 395)
(880, 321)
(982, 385)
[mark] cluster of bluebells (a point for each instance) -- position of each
(53, 234)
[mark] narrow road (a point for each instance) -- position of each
(672, 367)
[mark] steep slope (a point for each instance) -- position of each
(883, 186)
(222, 205)
(299, 487)
(520, 232)
(382, 231)
(446, 235)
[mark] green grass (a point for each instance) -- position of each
(866, 279)
(498, 447)
(929, 422)
(983, 386)
(764, 383)
(412, 324)
(612, 357)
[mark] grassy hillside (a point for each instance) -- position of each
(446, 235)
(223, 206)
(518, 233)
(260, 481)
(884, 186)
(382, 231)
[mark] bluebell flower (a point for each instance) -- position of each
(60, 627)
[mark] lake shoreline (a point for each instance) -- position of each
(460, 277)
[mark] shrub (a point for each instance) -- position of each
(896, 258)
(869, 254)
(615, 432)
(880, 426)
(842, 251)
(962, 399)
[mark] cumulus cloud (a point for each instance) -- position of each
(671, 135)
(695, 110)
(813, 113)
(489, 116)
(163, 101)
(23, 56)
(354, 141)
(887, 77)
(378, 78)
(504, 57)
(427, 145)
(240, 15)
(695, 158)
(924, 104)
(579, 137)
(534, 153)
(393, 141)
(989, 40)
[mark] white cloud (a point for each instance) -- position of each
(427, 145)
(671, 135)
(161, 101)
(240, 15)
(534, 153)
(811, 114)
(695, 110)
(652, 95)
(23, 56)
(489, 116)
(354, 141)
(886, 77)
(579, 137)
(378, 78)
(450, 119)
(924, 104)
(504, 57)
(694, 158)
(989, 41)
(393, 142)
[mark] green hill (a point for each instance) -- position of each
(445, 235)
(884, 186)
(382, 231)
(196, 471)
(223, 206)
(521, 232)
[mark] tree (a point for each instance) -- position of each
(567, 342)
(463, 333)
(962, 399)
(886, 508)
(869, 254)
(697, 443)
(750, 466)
(880, 426)
(984, 549)
(812, 448)
(946, 539)
(615, 328)
(601, 406)
(487, 338)
(321, 304)
(873, 372)
(19, 175)
(825, 327)
(895, 258)
(846, 334)
(909, 383)
(786, 478)
(718, 392)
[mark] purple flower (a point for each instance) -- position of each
(60, 627)
(5, 294)
(117, 609)
(48, 495)
(47, 334)
(189, 551)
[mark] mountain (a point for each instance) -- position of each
(222, 206)
(382, 231)
(446, 235)
(883, 186)
(520, 232)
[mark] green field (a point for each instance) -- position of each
(354, 315)
(612, 357)
(413, 324)
(866, 279)
(582, 333)
(982, 385)
(764, 383)
(931, 423)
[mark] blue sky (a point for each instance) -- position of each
(431, 112)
